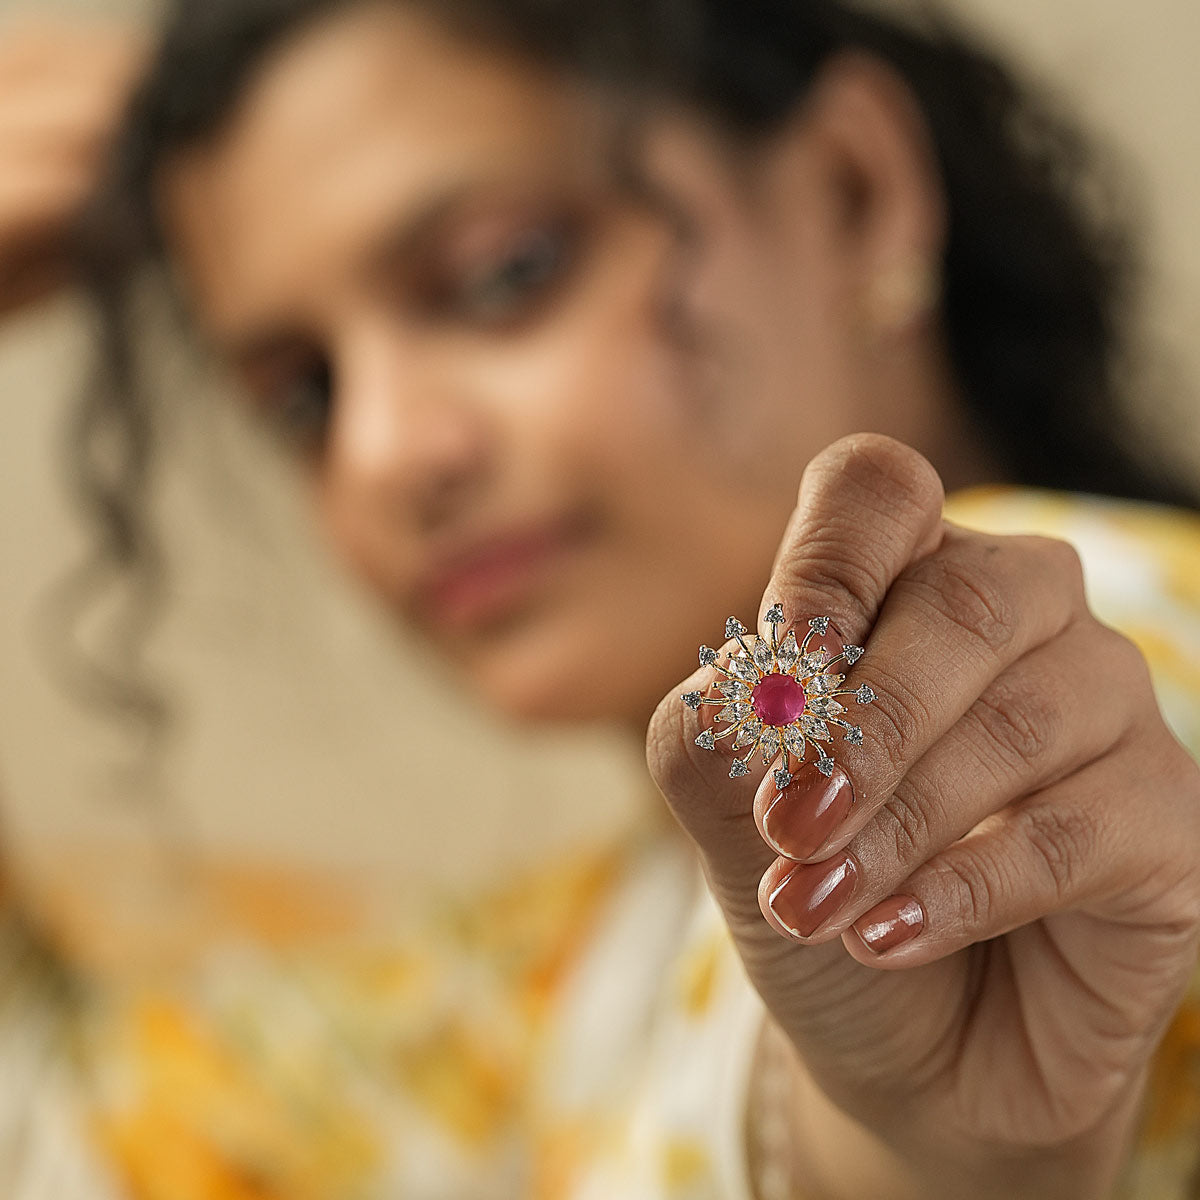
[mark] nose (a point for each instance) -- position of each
(409, 450)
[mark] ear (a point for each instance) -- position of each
(870, 169)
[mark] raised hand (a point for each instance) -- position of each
(62, 90)
(975, 928)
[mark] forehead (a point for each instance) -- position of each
(349, 127)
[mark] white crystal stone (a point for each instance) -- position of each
(822, 685)
(707, 740)
(738, 768)
(734, 627)
(770, 739)
(734, 689)
(811, 663)
(825, 706)
(817, 730)
(793, 739)
(691, 699)
(853, 654)
(825, 765)
(865, 694)
(734, 712)
(782, 778)
(747, 735)
(820, 624)
(708, 656)
(743, 666)
(854, 737)
(775, 614)
(764, 658)
(788, 652)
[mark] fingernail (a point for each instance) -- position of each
(892, 922)
(801, 819)
(809, 895)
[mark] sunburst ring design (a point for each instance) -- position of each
(779, 698)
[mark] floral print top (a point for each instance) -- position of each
(583, 1032)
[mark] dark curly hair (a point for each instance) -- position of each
(1039, 276)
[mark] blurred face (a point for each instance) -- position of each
(555, 430)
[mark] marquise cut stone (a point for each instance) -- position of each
(788, 652)
(817, 730)
(822, 685)
(747, 735)
(764, 658)
(734, 712)
(741, 665)
(811, 663)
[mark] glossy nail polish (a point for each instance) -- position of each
(891, 923)
(810, 894)
(801, 819)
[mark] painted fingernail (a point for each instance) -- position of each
(891, 923)
(809, 895)
(802, 817)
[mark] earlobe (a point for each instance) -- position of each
(900, 298)
(881, 170)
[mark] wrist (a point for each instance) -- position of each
(825, 1154)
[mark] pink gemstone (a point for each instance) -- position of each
(777, 699)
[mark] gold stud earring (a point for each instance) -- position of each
(900, 297)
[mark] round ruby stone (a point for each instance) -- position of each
(777, 699)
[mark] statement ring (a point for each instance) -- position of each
(780, 697)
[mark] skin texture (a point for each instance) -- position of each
(599, 467)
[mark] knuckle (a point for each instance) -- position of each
(974, 890)
(1021, 722)
(1063, 840)
(1065, 560)
(903, 821)
(1125, 658)
(972, 596)
(899, 717)
(834, 581)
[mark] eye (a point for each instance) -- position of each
(510, 287)
(299, 407)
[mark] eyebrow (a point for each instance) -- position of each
(399, 240)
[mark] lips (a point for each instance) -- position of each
(488, 578)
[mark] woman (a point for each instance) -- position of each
(560, 308)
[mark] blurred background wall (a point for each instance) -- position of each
(304, 720)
